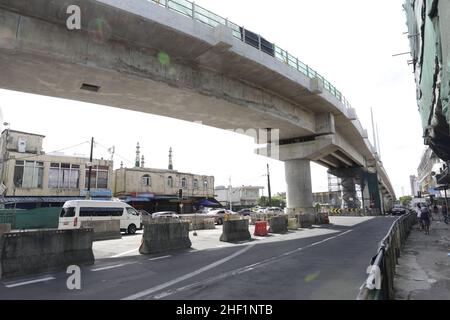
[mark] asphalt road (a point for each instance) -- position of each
(328, 266)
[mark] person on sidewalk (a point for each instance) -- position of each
(444, 211)
(419, 213)
(425, 216)
(435, 214)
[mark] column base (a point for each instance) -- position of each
(306, 216)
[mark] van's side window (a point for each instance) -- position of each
(67, 212)
(101, 212)
(132, 211)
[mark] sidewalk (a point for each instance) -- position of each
(423, 272)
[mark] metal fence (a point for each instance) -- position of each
(380, 282)
(197, 13)
(8, 218)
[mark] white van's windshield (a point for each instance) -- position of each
(67, 212)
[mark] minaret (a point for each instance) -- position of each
(143, 162)
(170, 159)
(138, 152)
(121, 164)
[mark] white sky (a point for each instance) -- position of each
(350, 42)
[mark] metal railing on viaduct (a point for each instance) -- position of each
(197, 13)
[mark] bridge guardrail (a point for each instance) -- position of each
(191, 10)
(379, 285)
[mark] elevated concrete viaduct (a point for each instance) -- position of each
(170, 59)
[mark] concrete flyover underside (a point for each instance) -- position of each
(139, 56)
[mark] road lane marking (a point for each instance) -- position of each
(111, 267)
(159, 258)
(18, 284)
(124, 253)
(187, 276)
(241, 270)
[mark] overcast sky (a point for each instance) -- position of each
(350, 42)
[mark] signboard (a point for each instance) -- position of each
(97, 193)
(142, 194)
(431, 191)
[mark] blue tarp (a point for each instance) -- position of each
(207, 203)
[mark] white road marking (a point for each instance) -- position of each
(186, 276)
(159, 258)
(243, 269)
(124, 253)
(111, 267)
(18, 284)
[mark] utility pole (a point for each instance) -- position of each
(268, 186)
(88, 195)
(230, 195)
(373, 130)
(379, 144)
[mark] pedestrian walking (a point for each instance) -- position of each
(444, 211)
(425, 217)
(419, 214)
(435, 212)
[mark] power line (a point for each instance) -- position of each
(115, 153)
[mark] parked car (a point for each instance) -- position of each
(399, 210)
(165, 214)
(275, 210)
(245, 212)
(144, 213)
(219, 215)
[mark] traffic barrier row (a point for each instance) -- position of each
(162, 237)
(104, 230)
(199, 222)
(24, 253)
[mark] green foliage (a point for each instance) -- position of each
(405, 200)
(279, 200)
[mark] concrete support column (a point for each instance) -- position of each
(350, 196)
(299, 187)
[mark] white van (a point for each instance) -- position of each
(73, 212)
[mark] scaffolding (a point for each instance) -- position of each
(335, 191)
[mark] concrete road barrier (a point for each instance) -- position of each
(25, 253)
(162, 237)
(209, 224)
(293, 224)
(199, 222)
(235, 230)
(5, 228)
(278, 224)
(306, 220)
(104, 230)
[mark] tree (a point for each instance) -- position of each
(405, 200)
(262, 201)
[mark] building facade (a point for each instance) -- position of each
(29, 177)
(240, 197)
(414, 186)
(156, 190)
(430, 165)
(429, 34)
